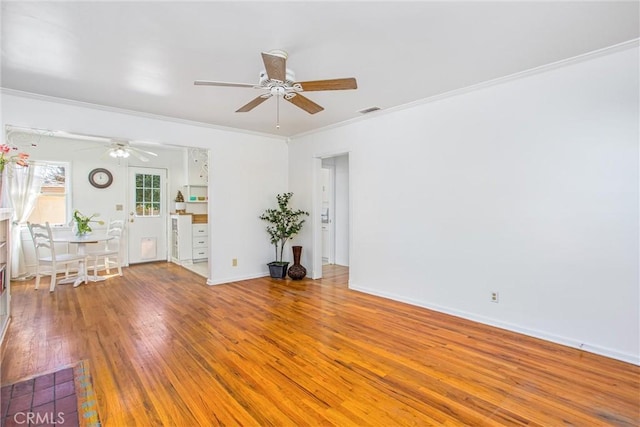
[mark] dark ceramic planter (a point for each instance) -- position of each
(278, 270)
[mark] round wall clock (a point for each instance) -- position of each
(100, 178)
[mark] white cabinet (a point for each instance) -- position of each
(189, 241)
(200, 239)
(181, 242)
(5, 276)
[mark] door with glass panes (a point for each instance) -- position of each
(147, 215)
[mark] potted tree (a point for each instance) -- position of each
(284, 223)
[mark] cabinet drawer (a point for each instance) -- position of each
(200, 242)
(200, 253)
(200, 229)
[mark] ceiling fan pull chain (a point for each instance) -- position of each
(278, 112)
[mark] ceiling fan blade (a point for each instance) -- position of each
(305, 103)
(143, 151)
(276, 66)
(135, 153)
(334, 84)
(252, 104)
(224, 84)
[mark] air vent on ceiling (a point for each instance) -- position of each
(368, 110)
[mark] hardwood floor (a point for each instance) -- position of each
(165, 349)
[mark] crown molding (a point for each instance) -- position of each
(47, 98)
(630, 44)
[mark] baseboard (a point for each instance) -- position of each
(226, 280)
(602, 351)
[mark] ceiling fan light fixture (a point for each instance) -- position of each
(119, 153)
(277, 91)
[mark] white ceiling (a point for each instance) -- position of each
(144, 56)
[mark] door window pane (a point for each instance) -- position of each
(147, 195)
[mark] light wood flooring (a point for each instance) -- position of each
(165, 349)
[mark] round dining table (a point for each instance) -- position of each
(81, 242)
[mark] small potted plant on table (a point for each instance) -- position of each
(81, 222)
(284, 223)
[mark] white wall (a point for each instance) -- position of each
(246, 171)
(528, 188)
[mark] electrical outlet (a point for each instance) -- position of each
(234, 262)
(495, 297)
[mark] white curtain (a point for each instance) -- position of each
(21, 188)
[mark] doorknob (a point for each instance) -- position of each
(131, 214)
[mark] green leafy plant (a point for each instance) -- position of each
(284, 223)
(82, 222)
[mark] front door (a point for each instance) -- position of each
(147, 215)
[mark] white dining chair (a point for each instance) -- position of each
(46, 255)
(110, 252)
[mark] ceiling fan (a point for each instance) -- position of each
(279, 81)
(121, 149)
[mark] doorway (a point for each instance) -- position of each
(333, 224)
(147, 215)
(327, 214)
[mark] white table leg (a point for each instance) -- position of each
(83, 269)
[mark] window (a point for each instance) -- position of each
(147, 195)
(53, 201)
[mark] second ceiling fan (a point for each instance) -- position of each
(279, 81)
(121, 149)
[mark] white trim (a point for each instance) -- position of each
(31, 95)
(603, 351)
(316, 229)
(316, 270)
(630, 44)
(237, 279)
(499, 80)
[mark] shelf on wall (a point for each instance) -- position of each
(196, 193)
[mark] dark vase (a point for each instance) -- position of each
(296, 271)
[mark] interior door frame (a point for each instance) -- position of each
(164, 210)
(316, 219)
